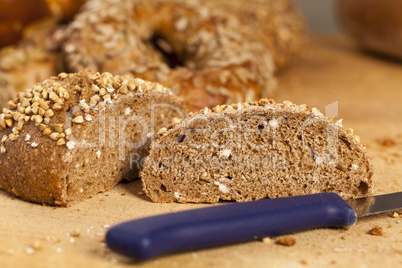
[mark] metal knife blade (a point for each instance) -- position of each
(238, 222)
(372, 205)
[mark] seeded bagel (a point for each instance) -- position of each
(209, 52)
(77, 134)
(255, 150)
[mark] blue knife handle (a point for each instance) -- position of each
(226, 224)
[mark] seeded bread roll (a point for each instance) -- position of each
(32, 60)
(376, 26)
(255, 150)
(77, 134)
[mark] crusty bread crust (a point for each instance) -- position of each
(75, 135)
(255, 150)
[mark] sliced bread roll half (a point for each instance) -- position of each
(77, 134)
(255, 150)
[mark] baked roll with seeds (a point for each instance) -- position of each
(255, 150)
(36, 25)
(77, 134)
(209, 52)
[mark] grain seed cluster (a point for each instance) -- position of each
(39, 104)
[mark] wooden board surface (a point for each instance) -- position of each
(369, 95)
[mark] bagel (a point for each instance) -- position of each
(208, 52)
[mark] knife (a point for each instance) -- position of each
(238, 222)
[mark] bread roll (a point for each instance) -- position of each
(77, 134)
(375, 25)
(255, 150)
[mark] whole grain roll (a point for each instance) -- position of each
(375, 25)
(255, 150)
(77, 134)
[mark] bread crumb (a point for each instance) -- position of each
(225, 153)
(51, 238)
(304, 262)
(37, 245)
(127, 111)
(286, 241)
(223, 188)
(34, 144)
(395, 215)
(29, 250)
(377, 231)
(386, 141)
(75, 233)
(267, 240)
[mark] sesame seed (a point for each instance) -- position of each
(3, 149)
(71, 144)
(35, 109)
(63, 75)
(60, 91)
(3, 123)
(49, 113)
(88, 117)
(61, 142)
(34, 144)
(44, 105)
(102, 92)
(12, 105)
(38, 119)
(54, 136)
(58, 100)
(176, 121)
(57, 106)
(27, 137)
(98, 154)
(78, 120)
(47, 131)
(28, 110)
(42, 127)
(25, 103)
(9, 122)
(20, 124)
(53, 96)
(94, 100)
(13, 137)
(68, 131)
(41, 111)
